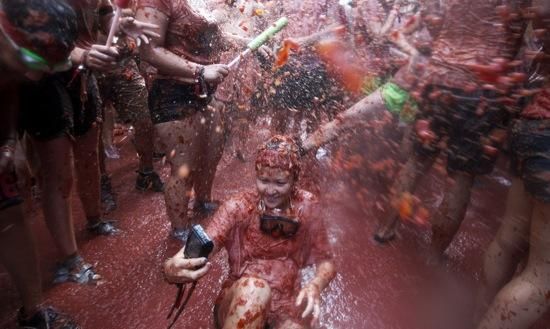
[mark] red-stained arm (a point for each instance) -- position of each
(326, 271)
(222, 223)
(165, 61)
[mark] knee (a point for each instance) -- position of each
(58, 184)
(504, 246)
(254, 289)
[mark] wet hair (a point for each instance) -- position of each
(279, 152)
(46, 27)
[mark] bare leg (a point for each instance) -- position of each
(107, 128)
(406, 182)
(509, 245)
(521, 302)
(56, 161)
(450, 214)
(144, 143)
(245, 305)
(18, 254)
(366, 109)
(211, 152)
(180, 141)
(87, 169)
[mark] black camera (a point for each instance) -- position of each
(198, 243)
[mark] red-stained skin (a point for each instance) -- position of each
(252, 253)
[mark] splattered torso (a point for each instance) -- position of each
(278, 261)
(471, 33)
(190, 34)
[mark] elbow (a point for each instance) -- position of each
(147, 53)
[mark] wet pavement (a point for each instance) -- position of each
(379, 287)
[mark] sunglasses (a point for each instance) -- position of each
(279, 226)
(34, 61)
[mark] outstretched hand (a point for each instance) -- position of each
(179, 269)
(138, 30)
(312, 295)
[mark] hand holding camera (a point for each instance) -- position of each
(179, 269)
(191, 262)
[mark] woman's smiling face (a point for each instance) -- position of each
(274, 186)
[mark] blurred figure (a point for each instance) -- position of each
(270, 234)
(61, 113)
(125, 89)
(186, 56)
(460, 88)
(525, 229)
(30, 47)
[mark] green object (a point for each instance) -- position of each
(268, 33)
(399, 102)
(36, 62)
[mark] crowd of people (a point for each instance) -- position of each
(463, 79)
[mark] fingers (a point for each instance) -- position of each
(144, 39)
(310, 304)
(189, 263)
(197, 274)
(103, 52)
(185, 275)
(316, 310)
(100, 65)
(151, 34)
(146, 25)
(223, 70)
(300, 298)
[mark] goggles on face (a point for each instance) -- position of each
(276, 224)
(279, 226)
(33, 61)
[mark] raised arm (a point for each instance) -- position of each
(164, 60)
(366, 109)
(168, 63)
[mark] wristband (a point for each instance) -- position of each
(199, 71)
(84, 58)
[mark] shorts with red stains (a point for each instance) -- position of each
(530, 155)
(171, 100)
(466, 120)
(125, 89)
(9, 193)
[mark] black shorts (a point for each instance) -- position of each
(9, 192)
(171, 100)
(53, 106)
(530, 155)
(466, 120)
(125, 88)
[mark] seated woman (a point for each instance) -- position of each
(266, 254)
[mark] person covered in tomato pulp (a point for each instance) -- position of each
(270, 234)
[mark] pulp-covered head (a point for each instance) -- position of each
(44, 32)
(279, 152)
(277, 170)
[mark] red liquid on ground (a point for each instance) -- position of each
(381, 287)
